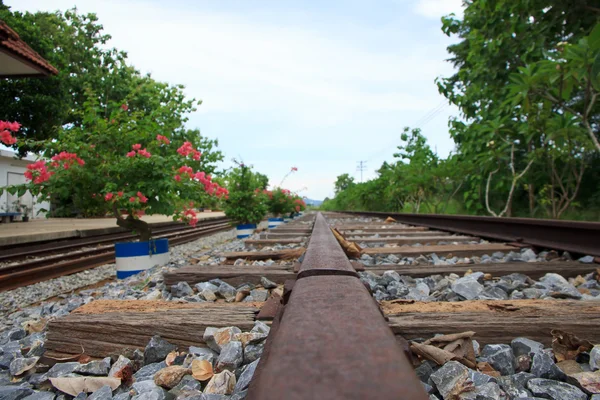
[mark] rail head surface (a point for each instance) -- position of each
(574, 236)
(330, 340)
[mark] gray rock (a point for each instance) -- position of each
(479, 378)
(424, 371)
(586, 260)
(147, 371)
(512, 388)
(528, 255)
(239, 396)
(96, 368)
(259, 294)
(500, 357)
(16, 334)
(14, 392)
(487, 391)
(19, 365)
(226, 291)
(448, 376)
(543, 366)
(493, 293)
(105, 392)
(62, 369)
(203, 353)
(206, 286)
(122, 396)
(245, 377)
(267, 284)
(181, 289)
(42, 395)
(396, 289)
(157, 350)
(549, 389)
(260, 327)
(467, 287)
(155, 394)
(524, 346)
(595, 358)
(186, 386)
(231, 356)
(253, 352)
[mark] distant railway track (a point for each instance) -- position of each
(70, 256)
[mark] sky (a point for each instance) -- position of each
(317, 85)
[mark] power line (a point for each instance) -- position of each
(362, 166)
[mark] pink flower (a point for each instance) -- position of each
(185, 149)
(11, 126)
(7, 138)
(144, 153)
(124, 107)
(131, 154)
(143, 199)
(199, 175)
(197, 155)
(120, 194)
(108, 196)
(163, 139)
(178, 178)
(136, 146)
(132, 199)
(294, 169)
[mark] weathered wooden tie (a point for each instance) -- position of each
(443, 250)
(496, 321)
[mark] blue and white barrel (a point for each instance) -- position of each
(245, 230)
(286, 220)
(134, 257)
(275, 222)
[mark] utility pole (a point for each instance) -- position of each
(362, 166)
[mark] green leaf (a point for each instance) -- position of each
(12, 190)
(594, 38)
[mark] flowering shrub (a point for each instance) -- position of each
(5, 136)
(299, 204)
(129, 164)
(247, 202)
(280, 201)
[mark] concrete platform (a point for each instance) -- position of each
(37, 230)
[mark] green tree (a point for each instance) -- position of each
(343, 182)
(496, 137)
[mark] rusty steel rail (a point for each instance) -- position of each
(574, 236)
(29, 249)
(330, 340)
(27, 273)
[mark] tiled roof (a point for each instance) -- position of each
(11, 42)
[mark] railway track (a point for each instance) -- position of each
(337, 331)
(81, 254)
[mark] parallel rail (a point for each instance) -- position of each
(33, 271)
(572, 236)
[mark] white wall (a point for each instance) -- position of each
(11, 172)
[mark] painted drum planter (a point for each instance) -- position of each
(245, 230)
(134, 257)
(275, 222)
